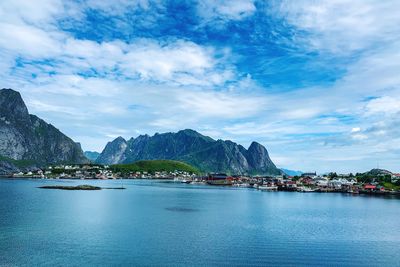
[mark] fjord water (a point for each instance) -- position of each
(161, 223)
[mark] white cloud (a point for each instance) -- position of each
(31, 33)
(226, 9)
(119, 7)
(34, 12)
(37, 105)
(343, 26)
(29, 41)
(179, 62)
(359, 136)
(87, 88)
(383, 105)
(220, 105)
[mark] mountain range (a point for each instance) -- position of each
(27, 140)
(26, 137)
(202, 152)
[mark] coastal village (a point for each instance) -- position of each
(377, 181)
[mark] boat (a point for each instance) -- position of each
(198, 182)
(220, 182)
(305, 189)
(268, 187)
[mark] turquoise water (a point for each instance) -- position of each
(160, 223)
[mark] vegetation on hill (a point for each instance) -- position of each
(152, 166)
(370, 177)
(391, 186)
(17, 163)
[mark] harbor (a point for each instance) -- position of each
(376, 182)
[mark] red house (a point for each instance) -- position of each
(370, 187)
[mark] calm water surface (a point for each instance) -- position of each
(160, 223)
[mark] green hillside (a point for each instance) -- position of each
(17, 163)
(152, 166)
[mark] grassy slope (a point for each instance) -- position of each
(388, 185)
(152, 166)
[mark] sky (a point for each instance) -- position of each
(316, 82)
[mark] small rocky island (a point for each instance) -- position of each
(78, 187)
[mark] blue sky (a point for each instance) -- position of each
(316, 82)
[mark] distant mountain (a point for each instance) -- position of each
(27, 137)
(291, 172)
(91, 155)
(114, 152)
(202, 152)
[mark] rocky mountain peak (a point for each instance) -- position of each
(114, 151)
(12, 107)
(257, 148)
(188, 132)
(119, 140)
(259, 160)
(27, 137)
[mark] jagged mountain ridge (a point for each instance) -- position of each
(26, 137)
(194, 148)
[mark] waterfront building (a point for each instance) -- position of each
(218, 176)
(370, 187)
(309, 174)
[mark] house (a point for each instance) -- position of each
(218, 176)
(307, 181)
(380, 188)
(370, 187)
(320, 181)
(291, 184)
(336, 184)
(395, 177)
(309, 174)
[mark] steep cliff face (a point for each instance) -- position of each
(259, 160)
(203, 152)
(7, 168)
(114, 152)
(27, 137)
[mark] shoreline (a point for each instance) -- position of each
(392, 194)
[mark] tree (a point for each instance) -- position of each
(332, 175)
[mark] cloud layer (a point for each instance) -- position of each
(316, 82)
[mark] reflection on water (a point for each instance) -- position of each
(180, 209)
(164, 223)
